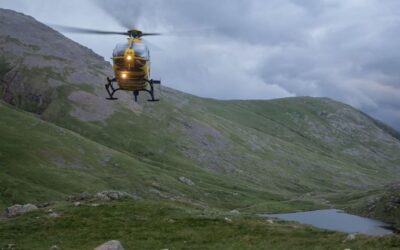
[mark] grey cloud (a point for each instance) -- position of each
(347, 50)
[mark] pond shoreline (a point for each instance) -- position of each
(337, 220)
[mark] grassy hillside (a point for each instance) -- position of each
(292, 146)
(42, 162)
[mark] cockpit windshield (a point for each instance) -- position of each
(120, 49)
(141, 50)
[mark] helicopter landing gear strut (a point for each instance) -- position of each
(150, 91)
(111, 90)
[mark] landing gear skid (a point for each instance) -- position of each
(111, 90)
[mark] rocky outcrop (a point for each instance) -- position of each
(110, 245)
(19, 209)
(112, 195)
(40, 61)
(350, 237)
(9, 247)
(386, 206)
(187, 181)
(79, 197)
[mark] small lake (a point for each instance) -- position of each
(337, 220)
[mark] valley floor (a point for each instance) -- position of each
(141, 224)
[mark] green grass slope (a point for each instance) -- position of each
(42, 162)
(291, 146)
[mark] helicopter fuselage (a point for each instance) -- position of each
(131, 65)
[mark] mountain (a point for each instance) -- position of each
(61, 137)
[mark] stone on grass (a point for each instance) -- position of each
(79, 197)
(44, 205)
(350, 237)
(234, 211)
(112, 195)
(54, 247)
(54, 215)
(110, 245)
(10, 247)
(19, 209)
(187, 181)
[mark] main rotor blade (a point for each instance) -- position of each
(152, 34)
(87, 31)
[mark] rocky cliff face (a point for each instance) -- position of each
(40, 61)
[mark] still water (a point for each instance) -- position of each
(338, 220)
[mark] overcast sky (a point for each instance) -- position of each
(348, 50)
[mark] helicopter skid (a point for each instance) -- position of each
(111, 90)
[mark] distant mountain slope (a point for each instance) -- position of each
(295, 149)
(41, 162)
(41, 61)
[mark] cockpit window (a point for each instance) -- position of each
(141, 50)
(120, 49)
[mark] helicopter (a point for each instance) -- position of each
(130, 62)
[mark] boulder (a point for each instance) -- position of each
(110, 245)
(19, 209)
(234, 211)
(228, 220)
(44, 205)
(79, 197)
(187, 181)
(350, 237)
(112, 195)
(54, 215)
(9, 247)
